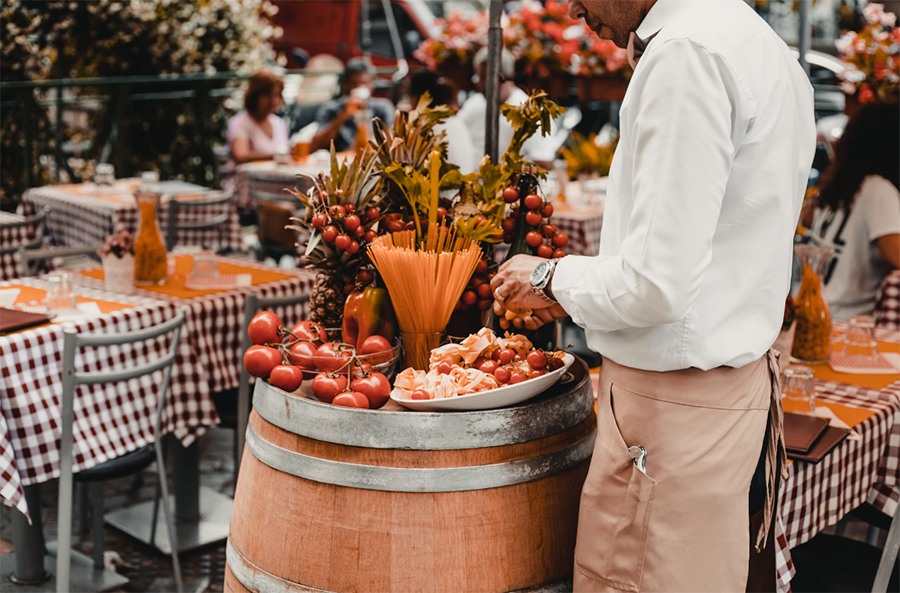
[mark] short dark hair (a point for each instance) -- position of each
(441, 92)
(358, 66)
(262, 82)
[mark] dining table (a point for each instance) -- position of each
(11, 237)
(887, 302)
(274, 178)
(864, 468)
(88, 213)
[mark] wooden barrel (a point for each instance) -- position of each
(346, 500)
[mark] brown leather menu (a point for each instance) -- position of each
(830, 439)
(801, 431)
(13, 320)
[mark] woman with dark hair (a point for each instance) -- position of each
(256, 133)
(858, 209)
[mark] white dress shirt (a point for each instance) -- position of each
(704, 195)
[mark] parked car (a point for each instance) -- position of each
(823, 74)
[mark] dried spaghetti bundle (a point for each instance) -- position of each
(425, 281)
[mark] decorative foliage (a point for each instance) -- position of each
(119, 245)
(587, 155)
(459, 40)
(872, 57)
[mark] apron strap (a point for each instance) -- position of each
(775, 452)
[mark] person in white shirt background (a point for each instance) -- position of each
(686, 296)
(858, 210)
(456, 134)
(256, 133)
(539, 149)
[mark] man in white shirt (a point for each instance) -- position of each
(539, 149)
(687, 294)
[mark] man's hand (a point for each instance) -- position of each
(512, 292)
(538, 317)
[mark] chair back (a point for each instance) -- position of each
(251, 307)
(71, 342)
(274, 208)
(269, 186)
(219, 221)
(27, 233)
(888, 556)
(31, 258)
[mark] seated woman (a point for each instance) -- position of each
(858, 210)
(256, 133)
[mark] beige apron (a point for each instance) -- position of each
(684, 525)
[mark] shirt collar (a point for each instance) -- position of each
(660, 13)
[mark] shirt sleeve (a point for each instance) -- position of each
(881, 207)
(237, 127)
(327, 113)
(683, 149)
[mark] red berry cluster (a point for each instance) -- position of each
(345, 228)
(542, 236)
(478, 291)
(394, 222)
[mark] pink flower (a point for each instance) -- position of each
(873, 13)
(866, 95)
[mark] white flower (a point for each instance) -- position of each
(873, 13)
(888, 19)
(845, 41)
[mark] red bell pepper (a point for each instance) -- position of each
(368, 313)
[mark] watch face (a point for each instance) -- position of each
(539, 275)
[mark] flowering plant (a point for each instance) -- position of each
(587, 155)
(459, 41)
(872, 57)
(120, 245)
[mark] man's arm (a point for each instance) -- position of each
(330, 119)
(683, 153)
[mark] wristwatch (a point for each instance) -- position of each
(541, 276)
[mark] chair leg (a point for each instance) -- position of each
(81, 502)
(170, 522)
(155, 513)
(872, 535)
(97, 514)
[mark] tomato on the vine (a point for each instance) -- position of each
(325, 386)
(302, 355)
(547, 210)
(372, 213)
(351, 223)
(260, 360)
(263, 328)
(510, 195)
(533, 239)
(375, 387)
(482, 267)
(533, 201)
(353, 247)
(330, 233)
(310, 330)
(545, 251)
(319, 220)
(331, 356)
(560, 240)
(342, 241)
(533, 218)
(286, 377)
(351, 399)
(549, 230)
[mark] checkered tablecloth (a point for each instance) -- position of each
(110, 419)
(887, 302)
(82, 215)
(271, 178)
(13, 237)
(582, 227)
(816, 496)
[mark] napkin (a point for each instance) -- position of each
(886, 363)
(8, 297)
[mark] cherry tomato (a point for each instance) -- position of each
(533, 239)
(516, 377)
(560, 240)
(479, 220)
(326, 387)
(336, 211)
(469, 297)
(353, 247)
(510, 195)
(444, 368)
(533, 201)
(349, 207)
(536, 374)
(482, 267)
(360, 370)
(518, 358)
(351, 223)
(375, 387)
(484, 304)
(286, 377)
(488, 366)
(547, 210)
(441, 213)
(507, 355)
(365, 276)
(508, 225)
(421, 394)
(372, 213)
(360, 232)
(545, 251)
(260, 360)
(555, 364)
(484, 291)
(263, 328)
(310, 330)
(534, 218)
(330, 233)
(302, 355)
(323, 197)
(537, 359)
(495, 355)
(342, 241)
(502, 374)
(319, 220)
(351, 399)
(331, 356)
(370, 236)
(549, 230)
(375, 350)
(558, 254)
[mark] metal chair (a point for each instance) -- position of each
(28, 257)
(219, 221)
(124, 465)
(27, 233)
(39, 221)
(274, 240)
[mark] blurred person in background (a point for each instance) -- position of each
(539, 149)
(857, 210)
(336, 118)
(256, 133)
(459, 141)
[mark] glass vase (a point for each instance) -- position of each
(812, 338)
(150, 267)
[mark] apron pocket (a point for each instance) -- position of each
(616, 505)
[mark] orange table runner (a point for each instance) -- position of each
(175, 285)
(850, 415)
(30, 294)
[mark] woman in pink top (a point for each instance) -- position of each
(256, 133)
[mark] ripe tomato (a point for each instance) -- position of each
(555, 364)
(536, 374)
(502, 374)
(533, 201)
(516, 377)
(507, 355)
(375, 350)
(421, 394)
(488, 366)
(480, 361)
(351, 223)
(534, 218)
(392, 226)
(469, 297)
(286, 377)
(545, 251)
(336, 211)
(441, 213)
(332, 356)
(549, 230)
(482, 267)
(508, 224)
(342, 241)
(263, 328)
(484, 304)
(518, 358)
(537, 359)
(495, 355)
(326, 387)
(370, 236)
(376, 387)
(444, 368)
(558, 254)
(330, 233)
(510, 195)
(353, 247)
(547, 210)
(260, 360)
(349, 207)
(360, 232)
(319, 220)
(560, 240)
(533, 239)
(372, 213)
(351, 399)
(310, 330)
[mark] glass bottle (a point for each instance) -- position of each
(150, 266)
(812, 340)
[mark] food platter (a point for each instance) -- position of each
(501, 397)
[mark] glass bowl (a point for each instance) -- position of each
(379, 362)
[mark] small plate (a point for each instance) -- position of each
(488, 400)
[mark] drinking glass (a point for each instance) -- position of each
(106, 174)
(205, 265)
(60, 294)
(798, 388)
(860, 339)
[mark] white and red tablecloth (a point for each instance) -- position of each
(10, 266)
(272, 178)
(583, 228)
(85, 214)
(816, 496)
(887, 302)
